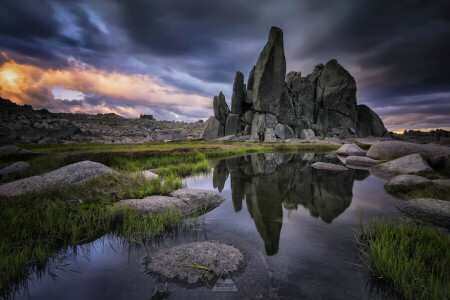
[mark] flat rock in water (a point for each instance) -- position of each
(361, 161)
(328, 166)
(15, 168)
(431, 210)
(350, 150)
(404, 165)
(187, 201)
(77, 173)
(5, 150)
(179, 263)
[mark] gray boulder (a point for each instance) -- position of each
(329, 166)
(350, 150)
(74, 174)
(238, 93)
(15, 168)
(280, 131)
(430, 210)
(232, 124)
(269, 136)
(412, 163)
(368, 123)
(308, 134)
(247, 117)
(178, 263)
(221, 109)
(6, 150)
(258, 126)
(213, 129)
(360, 161)
(269, 75)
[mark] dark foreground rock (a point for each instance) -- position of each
(186, 201)
(16, 168)
(430, 210)
(77, 173)
(177, 264)
(6, 150)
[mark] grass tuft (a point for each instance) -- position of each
(413, 259)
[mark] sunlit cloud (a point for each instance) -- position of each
(28, 84)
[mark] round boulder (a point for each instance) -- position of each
(350, 150)
(195, 263)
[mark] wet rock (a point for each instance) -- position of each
(173, 264)
(350, 150)
(361, 161)
(74, 174)
(232, 124)
(308, 134)
(238, 93)
(430, 210)
(368, 123)
(269, 75)
(213, 129)
(412, 163)
(15, 168)
(329, 166)
(221, 109)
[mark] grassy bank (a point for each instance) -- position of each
(414, 260)
(422, 190)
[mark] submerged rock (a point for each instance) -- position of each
(74, 174)
(329, 166)
(177, 264)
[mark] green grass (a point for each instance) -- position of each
(363, 146)
(421, 190)
(414, 260)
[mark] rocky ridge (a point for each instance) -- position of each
(274, 106)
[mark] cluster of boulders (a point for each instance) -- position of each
(23, 124)
(273, 106)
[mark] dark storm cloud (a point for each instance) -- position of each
(396, 50)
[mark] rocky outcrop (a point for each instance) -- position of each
(368, 123)
(74, 174)
(413, 163)
(213, 129)
(323, 102)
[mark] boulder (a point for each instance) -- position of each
(269, 136)
(150, 174)
(238, 93)
(368, 123)
(227, 138)
(289, 133)
(247, 117)
(430, 210)
(402, 181)
(198, 198)
(6, 150)
(269, 75)
(213, 129)
(221, 109)
(308, 134)
(329, 166)
(178, 264)
(350, 150)
(15, 168)
(280, 131)
(232, 124)
(258, 126)
(361, 161)
(412, 163)
(438, 155)
(74, 174)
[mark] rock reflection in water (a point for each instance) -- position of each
(272, 180)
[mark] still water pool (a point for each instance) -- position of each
(294, 224)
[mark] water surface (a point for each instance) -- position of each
(295, 225)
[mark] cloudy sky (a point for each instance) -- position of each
(169, 58)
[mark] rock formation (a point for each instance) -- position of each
(275, 106)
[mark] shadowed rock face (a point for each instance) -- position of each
(268, 182)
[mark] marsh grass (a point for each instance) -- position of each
(363, 146)
(414, 260)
